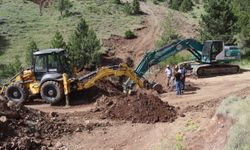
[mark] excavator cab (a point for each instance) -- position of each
(210, 50)
(50, 61)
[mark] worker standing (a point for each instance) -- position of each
(177, 76)
(169, 73)
(183, 76)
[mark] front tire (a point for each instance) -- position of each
(52, 92)
(16, 92)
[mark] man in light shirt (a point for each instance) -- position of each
(169, 74)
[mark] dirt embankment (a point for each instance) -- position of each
(25, 128)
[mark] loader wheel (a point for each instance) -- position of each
(16, 92)
(52, 92)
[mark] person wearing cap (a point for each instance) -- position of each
(169, 73)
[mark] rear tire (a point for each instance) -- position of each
(16, 92)
(52, 92)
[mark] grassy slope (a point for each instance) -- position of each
(24, 23)
(239, 134)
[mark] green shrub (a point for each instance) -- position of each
(128, 9)
(117, 1)
(64, 6)
(175, 4)
(136, 7)
(129, 34)
(186, 5)
(10, 70)
(132, 9)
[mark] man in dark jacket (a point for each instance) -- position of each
(177, 76)
(183, 76)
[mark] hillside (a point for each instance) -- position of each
(21, 23)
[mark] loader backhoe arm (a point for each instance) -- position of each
(154, 57)
(90, 79)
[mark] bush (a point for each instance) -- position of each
(186, 5)
(129, 34)
(11, 69)
(132, 9)
(175, 4)
(128, 9)
(64, 6)
(136, 7)
(117, 1)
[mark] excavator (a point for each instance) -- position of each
(211, 58)
(51, 77)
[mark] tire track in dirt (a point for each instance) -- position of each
(146, 40)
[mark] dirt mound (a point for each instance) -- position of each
(140, 108)
(24, 128)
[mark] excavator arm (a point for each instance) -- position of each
(155, 57)
(90, 79)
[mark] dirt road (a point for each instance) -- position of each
(208, 89)
(163, 135)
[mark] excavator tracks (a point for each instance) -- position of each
(206, 70)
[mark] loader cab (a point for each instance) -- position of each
(210, 50)
(49, 61)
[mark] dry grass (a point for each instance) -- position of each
(239, 134)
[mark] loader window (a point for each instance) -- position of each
(40, 64)
(53, 63)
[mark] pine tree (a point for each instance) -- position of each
(31, 48)
(219, 22)
(186, 5)
(57, 41)
(84, 47)
(242, 9)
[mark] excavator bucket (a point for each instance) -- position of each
(158, 88)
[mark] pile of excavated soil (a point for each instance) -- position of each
(139, 108)
(24, 128)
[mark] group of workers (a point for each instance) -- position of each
(176, 75)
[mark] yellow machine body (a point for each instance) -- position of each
(104, 72)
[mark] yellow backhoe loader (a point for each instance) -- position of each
(51, 77)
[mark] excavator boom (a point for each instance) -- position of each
(155, 57)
